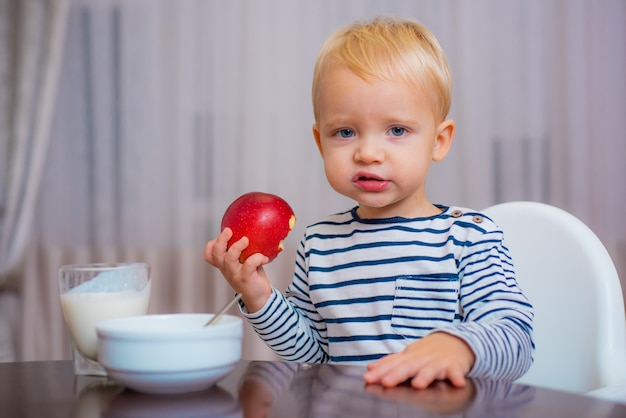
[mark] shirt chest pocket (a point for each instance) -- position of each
(423, 303)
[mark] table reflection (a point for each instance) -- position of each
(93, 395)
(104, 398)
(279, 389)
(337, 391)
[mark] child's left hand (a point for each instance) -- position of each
(437, 356)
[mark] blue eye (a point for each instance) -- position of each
(397, 131)
(345, 133)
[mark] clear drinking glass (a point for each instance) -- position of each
(91, 293)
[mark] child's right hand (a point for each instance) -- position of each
(248, 278)
(437, 356)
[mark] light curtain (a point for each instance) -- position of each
(31, 41)
(167, 111)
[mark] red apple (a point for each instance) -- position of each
(264, 218)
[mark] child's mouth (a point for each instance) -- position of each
(370, 183)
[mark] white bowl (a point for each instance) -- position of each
(172, 353)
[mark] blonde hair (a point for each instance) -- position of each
(388, 48)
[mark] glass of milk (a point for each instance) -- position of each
(91, 293)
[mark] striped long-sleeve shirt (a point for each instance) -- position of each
(364, 288)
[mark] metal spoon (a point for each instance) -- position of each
(222, 311)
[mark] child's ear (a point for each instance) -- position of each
(443, 141)
(316, 135)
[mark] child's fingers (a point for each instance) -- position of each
(425, 377)
(376, 370)
(215, 249)
(235, 250)
(391, 370)
(221, 243)
(457, 378)
(253, 262)
(208, 251)
(418, 371)
(430, 373)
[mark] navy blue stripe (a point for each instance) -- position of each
(377, 230)
(426, 289)
(353, 301)
(436, 277)
(358, 319)
(430, 299)
(407, 327)
(419, 319)
(379, 244)
(421, 308)
(378, 337)
(504, 309)
(349, 359)
(352, 283)
(363, 263)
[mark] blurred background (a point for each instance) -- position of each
(127, 127)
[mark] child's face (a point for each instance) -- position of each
(377, 140)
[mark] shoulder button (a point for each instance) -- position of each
(477, 218)
(456, 213)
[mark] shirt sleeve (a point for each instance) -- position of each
(496, 317)
(288, 332)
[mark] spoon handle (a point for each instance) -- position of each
(222, 311)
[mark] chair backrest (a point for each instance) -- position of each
(569, 277)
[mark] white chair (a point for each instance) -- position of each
(569, 277)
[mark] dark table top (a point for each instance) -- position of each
(279, 389)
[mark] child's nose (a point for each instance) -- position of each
(368, 151)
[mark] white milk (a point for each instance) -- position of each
(82, 311)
